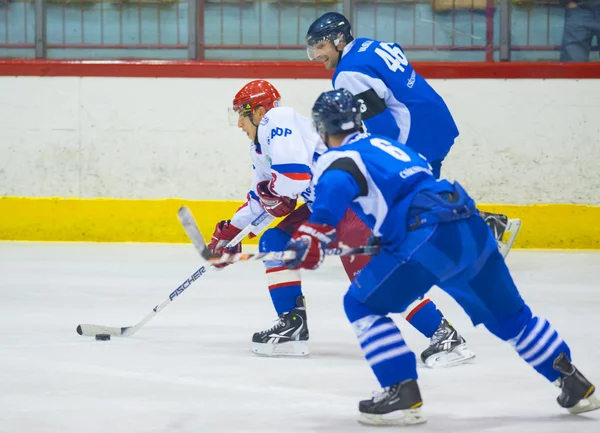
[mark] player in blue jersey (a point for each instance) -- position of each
(430, 234)
(395, 101)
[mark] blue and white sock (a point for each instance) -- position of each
(539, 344)
(390, 358)
(284, 287)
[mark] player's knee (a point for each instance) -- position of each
(362, 317)
(273, 239)
(509, 327)
(356, 310)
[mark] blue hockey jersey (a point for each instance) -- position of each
(396, 102)
(378, 179)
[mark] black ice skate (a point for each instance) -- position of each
(288, 337)
(505, 230)
(577, 394)
(399, 404)
(447, 348)
(496, 222)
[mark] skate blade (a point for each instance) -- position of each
(513, 226)
(287, 349)
(460, 355)
(398, 417)
(585, 405)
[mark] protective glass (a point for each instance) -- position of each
(234, 113)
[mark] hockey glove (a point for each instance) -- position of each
(309, 242)
(275, 205)
(224, 232)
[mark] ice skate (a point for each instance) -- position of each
(287, 337)
(447, 348)
(578, 394)
(399, 404)
(505, 230)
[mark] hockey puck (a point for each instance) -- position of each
(102, 337)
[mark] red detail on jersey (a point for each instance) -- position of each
(297, 176)
(278, 269)
(417, 308)
(288, 284)
(256, 93)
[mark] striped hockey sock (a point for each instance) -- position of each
(285, 286)
(539, 344)
(385, 350)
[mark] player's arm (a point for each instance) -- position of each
(253, 206)
(290, 172)
(226, 230)
(370, 92)
(339, 184)
(248, 212)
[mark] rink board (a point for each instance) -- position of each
(120, 220)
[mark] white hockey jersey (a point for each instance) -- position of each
(285, 150)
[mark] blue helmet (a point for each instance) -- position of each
(336, 112)
(328, 27)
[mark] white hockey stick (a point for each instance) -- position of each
(191, 229)
(126, 331)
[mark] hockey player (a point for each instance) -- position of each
(430, 234)
(395, 101)
(283, 149)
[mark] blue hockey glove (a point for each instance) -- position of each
(309, 241)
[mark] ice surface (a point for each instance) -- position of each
(191, 369)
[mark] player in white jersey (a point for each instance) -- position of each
(284, 147)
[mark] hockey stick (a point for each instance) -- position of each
(126, 331)
(290, 254)
(191, 229)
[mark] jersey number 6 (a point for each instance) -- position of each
(390, 149)
(392, 55)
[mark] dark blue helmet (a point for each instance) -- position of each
(336, 112)
(328, 27)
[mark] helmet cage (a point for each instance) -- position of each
(334, 38)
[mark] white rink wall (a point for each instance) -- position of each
(521, 142)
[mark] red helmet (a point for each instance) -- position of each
(253, 94)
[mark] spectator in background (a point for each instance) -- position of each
(582, 22)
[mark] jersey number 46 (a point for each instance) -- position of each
(393, 56)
